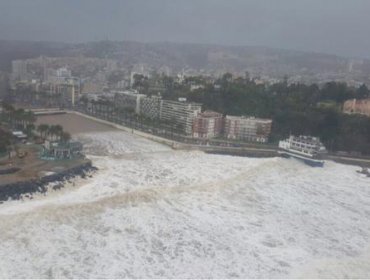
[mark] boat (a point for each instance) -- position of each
(309, 149)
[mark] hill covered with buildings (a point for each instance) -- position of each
(267, 64)
(201, 91)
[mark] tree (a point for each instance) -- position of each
(115, 77)
(337, 92)
(362, 92)
(29, 118)
(5, 140)
(65, 137)
(43, 129)
(29, 129)
(58, 131)
(226, 79)
(52, 132)
(17, 118)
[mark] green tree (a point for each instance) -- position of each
(362, 92)
(65, 137)
(43, 130)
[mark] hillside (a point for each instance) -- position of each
(209, 58)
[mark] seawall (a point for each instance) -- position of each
(28, 187)
(237, 151)
(240, 151)
(158, 139)
(365, 162)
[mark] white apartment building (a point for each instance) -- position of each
(150, 106)
(63, 72)
(128, 99)
(181, 113)
(19, 70)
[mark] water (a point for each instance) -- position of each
(153, 212)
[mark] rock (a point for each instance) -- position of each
(16, 190)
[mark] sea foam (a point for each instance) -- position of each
(150, 211)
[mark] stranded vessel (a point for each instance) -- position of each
(309, 149)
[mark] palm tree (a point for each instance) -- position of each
(29, 117)
(30, 128)
(65, 137)
(17, 118)
(58, 131)
(8, 107)
(8, 110)
(5, 140)
(43, 129)
(52, 132)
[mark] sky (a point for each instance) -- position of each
(329, 26)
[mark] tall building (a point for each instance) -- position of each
(49, 73)
(150, 107)
(247, 128)
(69, 91)
(19, 70)
(207, 124)
(181, 113)
(89, 87)
(63, 72)
(128, 99)
(111, 65)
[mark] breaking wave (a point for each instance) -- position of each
(153, 212)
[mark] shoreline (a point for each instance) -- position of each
(251, 151)
(222, 150)
(28, 187)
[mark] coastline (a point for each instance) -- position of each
(39, 185)
(223, 150)
(237, 151)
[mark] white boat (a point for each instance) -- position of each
(306, 148)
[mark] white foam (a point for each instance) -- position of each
(153, 212)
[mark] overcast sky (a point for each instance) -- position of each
(331, 26)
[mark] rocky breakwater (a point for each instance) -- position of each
(17, 190)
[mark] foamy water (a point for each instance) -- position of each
(153, 212)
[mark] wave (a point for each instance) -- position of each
(150, 212)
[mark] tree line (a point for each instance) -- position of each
(53, 133)
(25, 121)
(294, 108)
(19, 118)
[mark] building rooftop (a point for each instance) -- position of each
(209, 114)
(248, 118)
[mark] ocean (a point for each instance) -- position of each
(152, 212)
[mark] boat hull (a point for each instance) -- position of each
(309, 161)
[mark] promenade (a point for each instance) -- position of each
(247, 149)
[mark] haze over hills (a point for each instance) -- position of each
(202, 59)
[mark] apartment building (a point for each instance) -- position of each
(128, 99)
(247, 128)
(207, 124)
(357, 106)
(19, 70)
(181, 113)
(150, 106)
